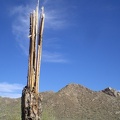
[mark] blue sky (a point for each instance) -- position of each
(81, 44)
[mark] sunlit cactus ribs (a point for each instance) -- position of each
(31, 100)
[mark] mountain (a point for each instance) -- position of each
(10, 109)
(73, 102)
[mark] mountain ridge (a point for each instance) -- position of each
(72, 102)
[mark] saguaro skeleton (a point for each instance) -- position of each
(31, 101)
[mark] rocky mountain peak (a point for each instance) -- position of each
(73, 88)
(112, 92)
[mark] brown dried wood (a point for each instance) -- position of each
(31, 100)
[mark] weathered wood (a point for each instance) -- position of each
(32, 53)
(31, 105)
(30, 44)
(31, 101)
(39, 52)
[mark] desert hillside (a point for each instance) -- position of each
(73, 102)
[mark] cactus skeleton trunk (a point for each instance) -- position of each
(31, 100)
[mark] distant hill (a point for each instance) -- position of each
(73, 102)
(10, 109)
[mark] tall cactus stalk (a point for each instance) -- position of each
(31, 100)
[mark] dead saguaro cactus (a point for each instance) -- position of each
(31, 100)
